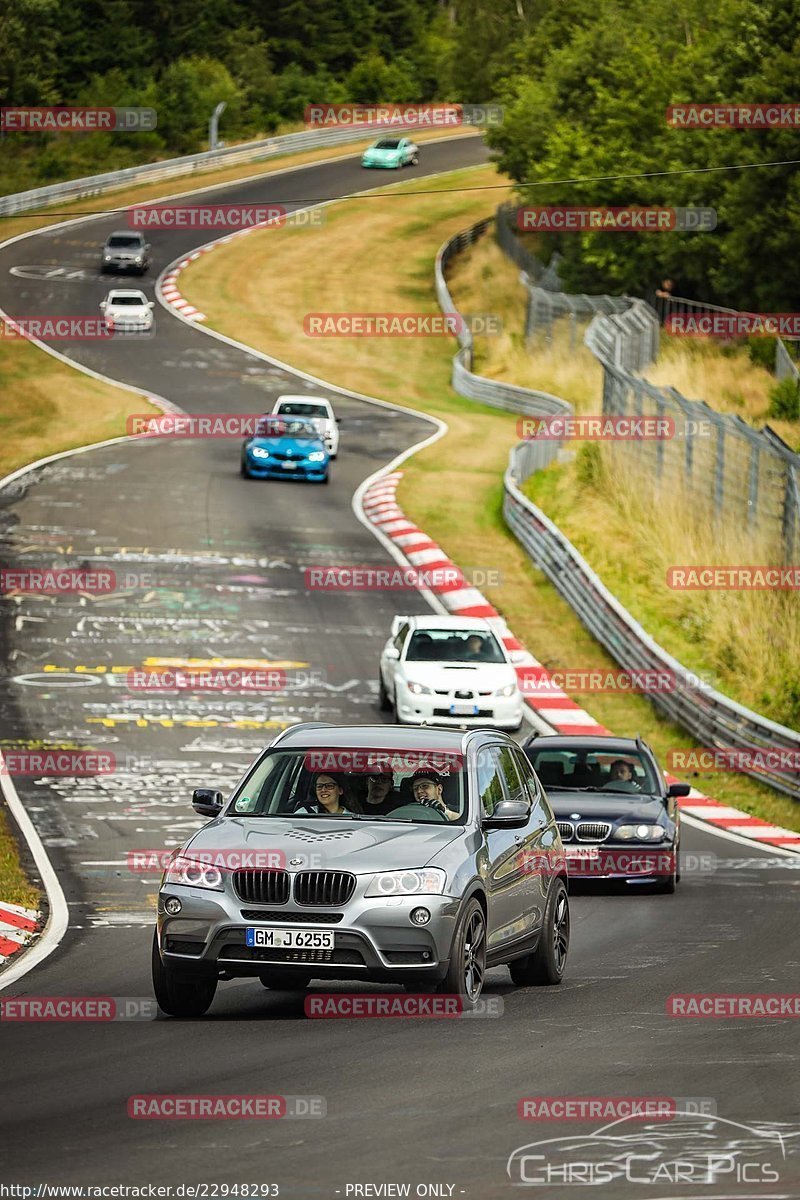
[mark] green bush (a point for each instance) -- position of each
(762, 352)
(784, 399)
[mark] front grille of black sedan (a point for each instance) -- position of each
(592, 831)
(566, 830)
(261, 886)
(291, 918)
(323, 888)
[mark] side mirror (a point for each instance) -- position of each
(151, 303)
(517, 657)
(103, 303)
(392, 652)
(508, 814)
(679, 789)
(207, 802)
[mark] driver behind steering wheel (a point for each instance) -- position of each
(426, 788)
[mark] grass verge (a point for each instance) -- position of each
(453, 489)
(14, 887)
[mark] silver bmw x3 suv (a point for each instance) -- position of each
(379, 853)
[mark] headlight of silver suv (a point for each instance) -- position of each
(425, 881)
(191, 873)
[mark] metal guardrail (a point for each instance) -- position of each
(494, 392)
(712, 718)
(785, 364)
(168, 168)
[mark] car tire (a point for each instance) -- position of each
(327, 478)
(384, 703)
(467, 969)
(547, 963)
(243, 471)
(414, 160)
(181, 993)
(668, 885)
(285, 981)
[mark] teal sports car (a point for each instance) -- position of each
(391, 152)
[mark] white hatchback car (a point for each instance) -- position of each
(449, 671)
(128, 311)
(318, 411)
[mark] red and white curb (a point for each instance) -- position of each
(551, 703)
(169, 290)
(17, 927)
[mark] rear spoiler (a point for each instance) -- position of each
(396, 623)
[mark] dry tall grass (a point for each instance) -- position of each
(746, 642)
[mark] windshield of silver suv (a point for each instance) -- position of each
(420, 787)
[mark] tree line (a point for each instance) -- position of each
(585, 85)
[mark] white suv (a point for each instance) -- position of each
(318, 411)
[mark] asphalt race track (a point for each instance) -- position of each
(213, 566)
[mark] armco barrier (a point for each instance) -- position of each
(713, 719)
(493, 392)
(96, 185)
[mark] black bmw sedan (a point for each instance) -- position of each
(617, 817)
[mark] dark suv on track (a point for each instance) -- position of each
(379, 853)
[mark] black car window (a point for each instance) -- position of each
(533, 789)
(587, 768)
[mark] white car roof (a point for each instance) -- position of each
(303, 400)
(118, 292)
(450, 623)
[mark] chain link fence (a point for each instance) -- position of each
(739, 475)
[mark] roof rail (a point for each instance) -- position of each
(302, 725)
